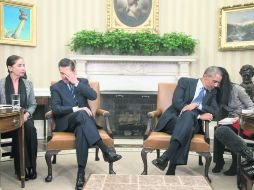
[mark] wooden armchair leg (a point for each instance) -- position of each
(208, 158)
(54, 159)
(97, 154)
(144, 158)
(158, 153)
(200, 162)
(48, 157)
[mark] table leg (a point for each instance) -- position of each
(21, 155)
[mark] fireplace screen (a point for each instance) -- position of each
(128, 113)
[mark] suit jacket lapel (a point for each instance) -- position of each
(193, 86)
(207, 95)
(65, 89)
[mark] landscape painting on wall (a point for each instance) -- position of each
(237, 27)
(17, 23)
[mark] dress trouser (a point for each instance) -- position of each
(182, 130)
(30, 146)
(86, 134)
(218, 147)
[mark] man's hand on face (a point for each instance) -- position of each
(71, 77)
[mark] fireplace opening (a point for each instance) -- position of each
(128, 112)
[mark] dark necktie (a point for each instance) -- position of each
(200, 96)
(71, 88)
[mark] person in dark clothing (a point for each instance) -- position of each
(193, 100)
(232, 99)
(15, 83)
(72, 113)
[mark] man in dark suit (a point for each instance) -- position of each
(72, 113)
(193, 100)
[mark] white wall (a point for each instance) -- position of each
(58, 20)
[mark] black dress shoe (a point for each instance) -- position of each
(80, 180)
(231, 171)
(171, 169)
(161, 162)
(32, 174)
(218, 167)
(111, 156)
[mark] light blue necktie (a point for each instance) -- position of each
(200, 96)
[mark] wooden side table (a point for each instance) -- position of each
(244, 181)
(14, 120)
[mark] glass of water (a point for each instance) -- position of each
(15, 102)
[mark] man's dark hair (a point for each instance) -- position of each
(65, 62)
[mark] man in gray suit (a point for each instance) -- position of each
(72, 113)
(193, 100)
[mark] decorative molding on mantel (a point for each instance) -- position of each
(117, 58)
(132, 73)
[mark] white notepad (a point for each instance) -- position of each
(248, 111)
(226, 121)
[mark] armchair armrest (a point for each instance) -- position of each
(102, 112)
(49, 117)
(151, 115)
(105, 114)
(156, 113)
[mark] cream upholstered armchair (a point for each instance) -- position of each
(161, 140)
(57, 141)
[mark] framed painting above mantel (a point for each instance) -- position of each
(17, 23)
(133, 15)
(236, 30)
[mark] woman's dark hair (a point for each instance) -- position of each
(224, 92)
(11, 60)
(65, 62)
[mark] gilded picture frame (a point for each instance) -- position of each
(17, 23)
(236, 29)
(133, 15)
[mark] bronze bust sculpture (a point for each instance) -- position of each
(247, 72)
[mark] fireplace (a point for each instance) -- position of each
(128, 112)
(129, 85)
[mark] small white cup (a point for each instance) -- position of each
(15, 102)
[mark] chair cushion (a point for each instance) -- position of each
(161, 140)
(66, 140)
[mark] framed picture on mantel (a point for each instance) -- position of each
(236, 30)
(133, 15)
(17, 23)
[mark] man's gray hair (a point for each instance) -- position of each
(212, 71)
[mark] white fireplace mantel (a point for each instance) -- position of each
(132, 73)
